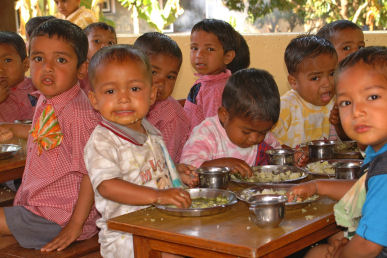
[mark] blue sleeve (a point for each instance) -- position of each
(373, 223)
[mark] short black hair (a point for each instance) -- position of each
(67, 31)
(120, 53)
(99, 25)
(230, 40)
(306, 46)
(153, 43)
(252, 93)
(13, 39)
(374, 56)
(34, 22)
(328, 30)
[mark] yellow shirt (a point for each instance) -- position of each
(81, 17)
(301, 121)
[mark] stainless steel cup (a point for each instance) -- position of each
(267, 210)
(321, 150)
(213, 177)
(281, 157)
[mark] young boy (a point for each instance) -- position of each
(361, 88)
(53, 206)
(347, 38)
(126, 158)
(15, 101)
(311, 62)
(99, 35)
(235, 137)
(166, 114)
(72, 11)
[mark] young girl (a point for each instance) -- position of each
(166, 114)
(217, 50)
(347, 38)
(361, 88)
(235, 136)
(126, 157)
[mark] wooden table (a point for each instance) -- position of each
(12, 168)
(229, 234)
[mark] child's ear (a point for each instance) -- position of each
(82, 71)
(153, 95)
(26, 64)
(93, 100)
(228, 57)
(223, 115)
(292, 81)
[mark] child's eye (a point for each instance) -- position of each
(61, 60)
(211, 49)
(96, 41)
(171, 77)
(135, 89)
(110, 43)
(37, 59)
(373, 97)
(315, 78)
(194, 48)
(332, 73)
(154, 72)
(7, 60)
(344, 103)
(109, 91)
(346, 48)
(245, 132)
(362, 46)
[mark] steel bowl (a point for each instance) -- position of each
(199, 212)
(321, 149)
(8, 150)
(348, 170)
(267, 210)
(280, 157)
(214, 177)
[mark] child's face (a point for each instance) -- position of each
(347, 41)
(53, 63)
(67, 7)
(165, 69)
(362, 101)
(243, 132)
(314, 79)
(207, 53)
(122, 93)
(99, 38)
(12, 68)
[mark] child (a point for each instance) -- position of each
(33, 23)
(215, 47)
(16, 103)
(311, 62)
(235, 137)
(361, 88)
(347, 38)
(53, 206)
(125, 156)
(72, 11)
(99, 35)
(166, 114)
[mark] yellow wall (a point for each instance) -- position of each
(266, 52)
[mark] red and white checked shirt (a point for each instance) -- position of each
(51, 181)
(205, 97)
(18, 106)
(169, 117)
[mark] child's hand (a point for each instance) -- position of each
(188, 174)
(301, 156)
(68, 235)
(302, 191)
(5, 134)
(175, 196)
(334, 117)
(238, 166)
(4, 92)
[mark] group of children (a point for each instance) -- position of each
(107, 138)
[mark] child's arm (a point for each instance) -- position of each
(74, 228)
(8, 131)
(334, 189)
(236, 165)
(124, 192)
(358, 247)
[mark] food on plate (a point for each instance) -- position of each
(321, 167)
(248, 193)
(269, 176)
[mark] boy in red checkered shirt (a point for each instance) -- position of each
(54, 204)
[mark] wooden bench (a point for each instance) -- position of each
(6, 196)
(87, 248)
